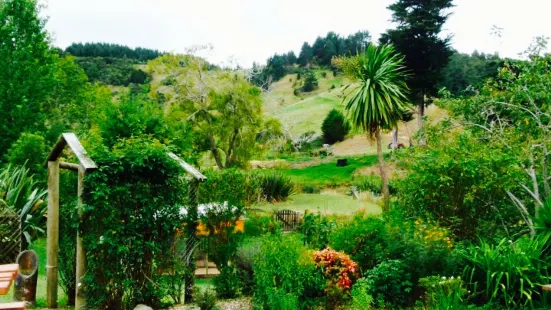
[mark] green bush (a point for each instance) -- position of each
(443, 293)
(315, 230)
(365, 239)
(334, 127)
(258, 225)
(206, 300)
(361, 300)
(284, 274)
(275, 186)
(310, 82)
(461, 181)
(310, 189)
(30, 151)
(244, 261)
(372, 183)
(389, 283)
(130, 215)
(231, 185)
(228, 284)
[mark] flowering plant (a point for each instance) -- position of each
(338, 268)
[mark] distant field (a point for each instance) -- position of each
(326, 203)
(328, 174)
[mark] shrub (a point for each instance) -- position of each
(509, 273)
(335, 127)
(231, 185)
(284, 271)
(310, 82)
(443, 293)
(134, 230)
(339, 271)
(258, 225)
(461, 182)
(244, 260)
(228, 284)
(275, 186)
(310, 189)
(365, 239)
(296, 92)
(389, 283)
(361, 300)
(206, 300)
(324, 74)
(30, 151)
(372, 183)
(316, 229)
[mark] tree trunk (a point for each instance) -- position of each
(215, 153)
(384, 180)
(394, 144)
(422, 140)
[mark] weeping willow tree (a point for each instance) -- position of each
(377, 97)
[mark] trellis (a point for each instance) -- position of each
(10, 235)
(85, 164)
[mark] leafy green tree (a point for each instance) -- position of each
(18, 154)
(469, 71)
(379, 99)
(222, 108)
(335, 127)
(26, 77)
(417, 38)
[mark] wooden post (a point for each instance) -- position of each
(80, 299)
(53, 233)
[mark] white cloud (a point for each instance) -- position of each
(252, 30)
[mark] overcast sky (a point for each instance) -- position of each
(252, 30)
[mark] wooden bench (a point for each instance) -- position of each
(7, 275)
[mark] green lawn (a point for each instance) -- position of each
(328, 174)
(327, 203)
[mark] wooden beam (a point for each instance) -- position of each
(72, 141)
(188, 168)
(80, 298)
(68, 166)
(52, 234)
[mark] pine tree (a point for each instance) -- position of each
(417, 38)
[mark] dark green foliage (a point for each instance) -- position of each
(310, 189)
(316, 229)
(112, 71)
(465, 71)
(206, 300)
(389, 283)
(29, 150)
(111, 51)
(275, 186)
(67, 244)
(335, 127)
(365, 239)
(372, 183)
(310, 82)
(361, 300)
(417, 38)
(131, 212)
(228, 284)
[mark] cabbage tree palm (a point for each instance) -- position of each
(377, 96)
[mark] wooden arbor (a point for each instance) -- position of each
(85, 164)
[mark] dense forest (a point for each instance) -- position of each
(110, 50)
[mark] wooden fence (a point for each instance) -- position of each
(10, 236)
(289, 219)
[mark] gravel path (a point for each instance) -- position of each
(233, 304)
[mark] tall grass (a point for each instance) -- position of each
(275, 187)
(509, 273)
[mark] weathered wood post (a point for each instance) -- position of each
(53, 233)
(85, 164)
(80, 299)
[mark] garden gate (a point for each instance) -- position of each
(289, 219)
